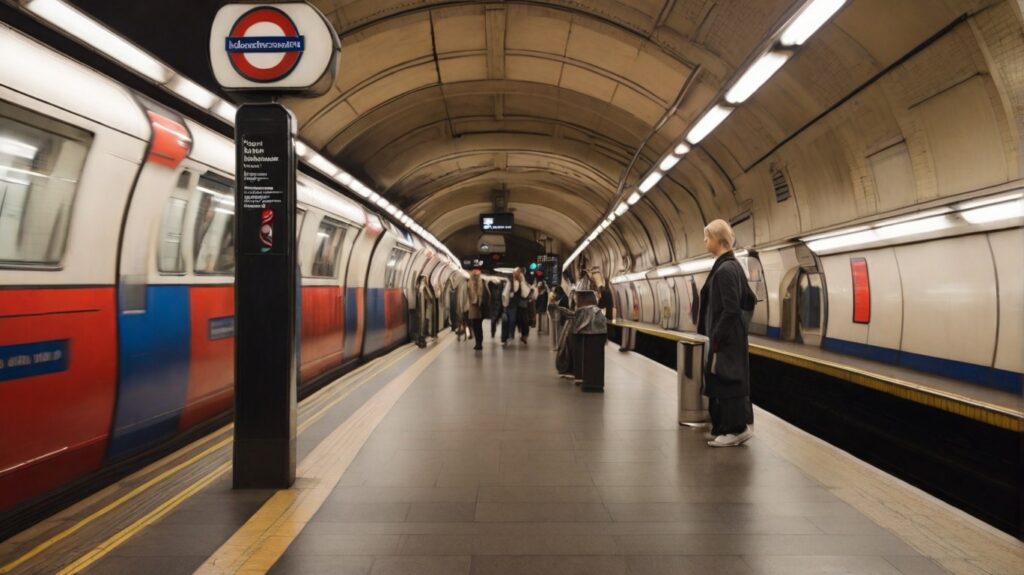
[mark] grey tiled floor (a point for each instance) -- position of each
(490, 464)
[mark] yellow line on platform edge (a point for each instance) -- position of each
(258, 544)
(106, 546)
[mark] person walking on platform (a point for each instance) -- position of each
(726, 303)
(476, 292)
(497, 310)
(541, 309)
(522, 297)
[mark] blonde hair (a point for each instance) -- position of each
(720, 230)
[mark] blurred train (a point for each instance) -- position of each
(116, 273)
(939, 290)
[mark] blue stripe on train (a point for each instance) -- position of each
(153, 370)
(375, 321)
(963, 371)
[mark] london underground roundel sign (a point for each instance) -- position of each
(264, 45)
(286, 47)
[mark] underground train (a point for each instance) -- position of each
(116, 274)
(939, 290)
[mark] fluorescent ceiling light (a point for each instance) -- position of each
(300, 148)
(922, 226)
(361, 188)
(97, 36)
(816, 13)
(612, 216)
(913, 216)
(636, 276)
(696, 266)
(621, 209)
(391, 209)
(618, 279)
(668, 162)
(373, 196)
(323, 164)
(708, 122)
(607, 222)
(995, 212)
(191, 91)
(681, 149)
(842, 241)
(649, 182)
(226, 111)
(664, 272)
(344, 178)
(755, 76)
(989, 200)
(633, 198)
(593, 236)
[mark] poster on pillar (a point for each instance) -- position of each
(287, 47)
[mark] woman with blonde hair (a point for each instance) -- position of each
(725, 303)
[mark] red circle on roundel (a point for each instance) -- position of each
(242, 64)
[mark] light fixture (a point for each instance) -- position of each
(649, 182)
(841, 241)
(970, 204)
(708, 122)
(995, 212)
(381, 202)
(97, 36)
(633, 198)
(914, 227)
(344, 178)
(755, 76)
(668, 162)
(665, 272)
(226, 111)
(622, 208)
(323, 164)
(814, 14)
(696, 266)
(681, 149)
(191, 91)
(300, 148)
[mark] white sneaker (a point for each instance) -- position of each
(727, 440)
(745, 435)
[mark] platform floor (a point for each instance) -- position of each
(452, 461)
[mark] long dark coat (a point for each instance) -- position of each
(721, 295)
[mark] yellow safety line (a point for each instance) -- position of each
(146, 520)
(258, 544)
(157, 479)
(954, 403)
(110, 507)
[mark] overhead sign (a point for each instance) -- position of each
(500, 223)
(287, 47)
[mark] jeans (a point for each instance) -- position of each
(508, 328)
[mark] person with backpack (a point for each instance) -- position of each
(726, 305)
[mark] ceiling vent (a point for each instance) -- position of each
(780, 184)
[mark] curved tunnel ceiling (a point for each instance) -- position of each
(441, 104)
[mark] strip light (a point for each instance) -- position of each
(97, 36)
(621, 209)
(668, 162)
(755, 76)
(708, 122)
(192, 92)
(649, 182)
(812, 17)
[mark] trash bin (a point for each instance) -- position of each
(590, 332)
(693, 405)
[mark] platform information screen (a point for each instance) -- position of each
(496, 223)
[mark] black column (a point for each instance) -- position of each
(265, 294)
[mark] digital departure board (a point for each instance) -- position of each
(497, 223)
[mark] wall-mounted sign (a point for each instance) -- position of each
(497, 223)
(288, 47)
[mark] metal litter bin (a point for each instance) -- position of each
(693, 405)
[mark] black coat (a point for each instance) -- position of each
(722, 294)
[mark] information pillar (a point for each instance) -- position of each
(265, 284)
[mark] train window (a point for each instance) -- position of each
(172, 225)
(394, 268)
(861, 290)
(328, 247)
(213, 240)
(41, 161)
